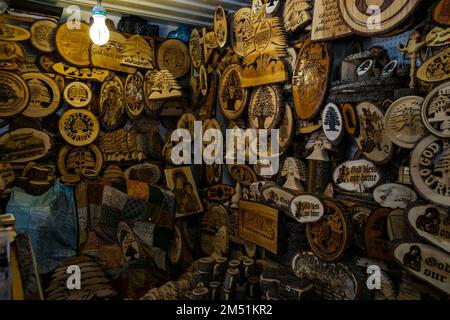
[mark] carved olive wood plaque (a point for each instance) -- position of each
(436, 68)
(307, 208)
(233, 98)
(278, 197)
(80, 73)
(436, 111)
(377, 239)
(195, 49)
(73, 160)
(73, 44)
(438, 37)
(266, 107)
(134, 95)
(24, 145)
(332, 123)
(356, 176)
(79, 127)
(240, 30)
(77, 94)
(220, 192)
(441, 13)
(327, 21)
(11, 32)
(221, 26)
(12, 55)
(173, 55)
(393, 195)
(112, 104)
(14, 94)
(43, 35)
(138, 53)
(44, 95)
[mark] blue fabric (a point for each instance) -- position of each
(50, 222)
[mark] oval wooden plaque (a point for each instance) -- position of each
(73, 44)
(241, 28)
(372, 139)
(11, 32)
(425, 262)
(436, 68)
(393, 195)
(203, 80)
(80, 73)
(278, 197)
(221, 26)
(233, 98)
(79, 127)
(368, 21)
(242, 173)
(286, 128)
(356, 176)
(24, 145)
(195, 49)
(173, 55)
(220, 192)
(351, 121)
(429, 165)
(377, 239)
(139, 53)
(307, 208)
(134, 95)
(332, 123)
(431, 223)
(12, 55)
(112, 104)
(266, 107)
(403, 121)
(14, 94)
(73, 160)
(436, 111)
(329, 237)
(77, 94)
(310, 79)
(438, 37)
(43, 35)
(44, 95)
(441, 13)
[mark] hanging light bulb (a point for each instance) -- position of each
(99, 31)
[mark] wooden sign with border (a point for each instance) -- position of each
(307, 208)
(77, 94)
(220, 192)
(393, 195)
(441, 14)
(43, 35)
(12, 55)
(81, 73)
(79, 127)
(240, 29)
(112, 104)
(139, 53)
(435, 111)
(435, 69)
(332, 123)
(327, 21)
(310, 79)
(11, 32)
(44, 95)
(259, 224)
(73, 44)
(233, 98)
(14, 94)
(266, 107)
(73, 160)
(221, 26)
(173, 55)
(24, 145)
(134, 95)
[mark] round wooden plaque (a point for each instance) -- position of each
(73, 160)
(79, 127)
(43, 35)
(173, 55)
(436, 111)
(375, 17)
(372, 139)
(441, 14)
(77, 94)
(221, 26)
(12, 55)
(403, 121)
(134, 95)
(73, 44)
(241, 28)
(195, 49)
(266, 107)
(44, 95)
(112, 104)
(14, 94)
(429, 165)
(233, 98)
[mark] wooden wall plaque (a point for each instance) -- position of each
(46, 61)
(241, 28)
(435, 69)
(372, 139)
(77, 94)
(209, 103)
(429, 164)
(109, 56)
(221, 26)
(296, 14)
(6, 176)
(233, 98)
(327, 21)
(44, 95)
(287, 128)
(266, 106)
(397, 228)
(259, 224)
(123, 145)
(11, 32)
(332, 123)
(242, 173)
(278, 197)
(43, 35)
(203, 77)
(425, 262)
(73, 160)
(329, 237)
(173, 55)
(160, 85)
(112, 104)
(14, 94)
(12, 55)
(73, 44)
(438, 37)
(356, 176)
(195, 49)
(361, 19)
(24, 145)
(431, 223)
(145, 172)
(307, 208)
(134, 95)
(310, 79)
(403, 121)
(80, 73)
(393, 195)
(138, 53)
(441, 13)
(377, 239)
(435, 111)
(220, 192)
(79, 127)
(351, 121)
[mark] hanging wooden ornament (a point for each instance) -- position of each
(441, 14)
(73, 160)
(173, 55)
(14, 94)
(221, 26)
(310, 79)
(79, 127)
(296, 14)
(436, 111)
(327, 23)
(160, 85)
(73, 44)
(134, 95)
(139, 53)
(43, 35)
(112, 104)
(266, 107)
(109, 56)
(233, 98)
(44, 95)
(24, 145)
(11, 32)
(12, 55)
(241, 28)
(95, 74)
(195, 49)
(77, 94)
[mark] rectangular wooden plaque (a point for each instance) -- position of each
(327, 21)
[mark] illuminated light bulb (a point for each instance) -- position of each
(99, 32)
